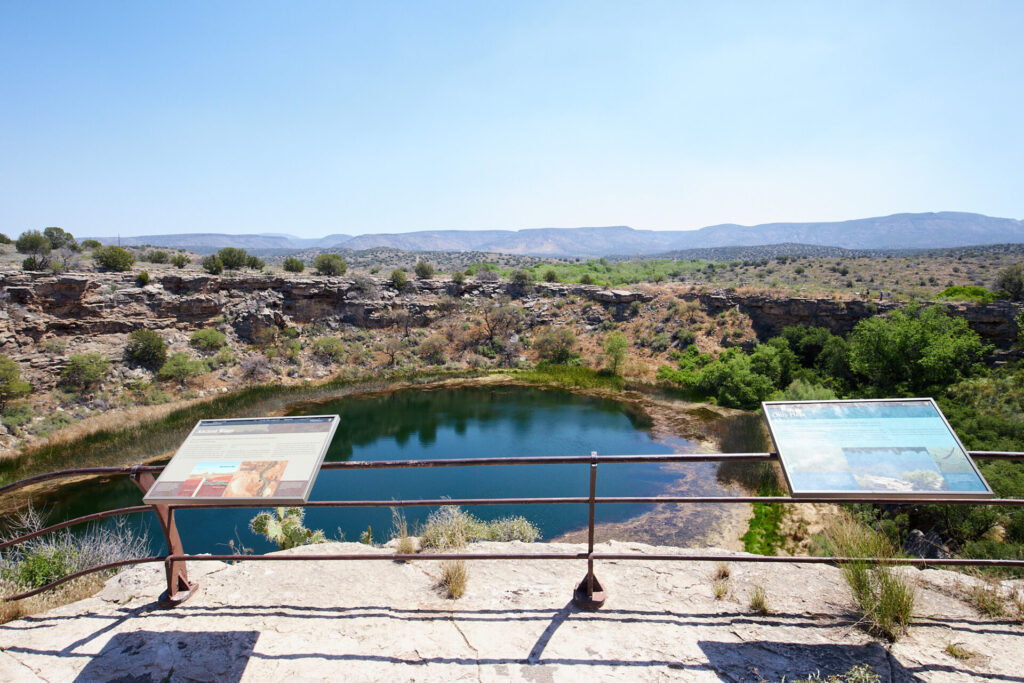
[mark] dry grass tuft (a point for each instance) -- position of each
(400, 531)
(454, 577)
(759, 600)
(884, 597)
(957, 651)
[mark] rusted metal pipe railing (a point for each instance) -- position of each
(589, 594)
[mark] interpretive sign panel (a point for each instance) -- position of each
(271, 460)
(895, 449)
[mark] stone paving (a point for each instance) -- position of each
(311, 621)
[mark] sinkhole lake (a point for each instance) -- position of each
(422, 424)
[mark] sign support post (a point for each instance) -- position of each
(179, 588)
(590, 595)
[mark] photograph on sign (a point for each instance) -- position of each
(890, 448)
(265, 459)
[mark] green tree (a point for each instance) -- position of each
(91, 244)
(114, 258)
(1009, 280)
(157, 256)
(399, 279)
(146, 348)
(283, 526)
(556, 345)
(60, 239)
(615, 345)
(254, 263)
(37, 247)
(180, 260)
(233, 258)
(913, 350)
(294, 265)
(330, 264)
(12, 386)
(213, 265)
(424, 270)
(85, 370)
(4, 239)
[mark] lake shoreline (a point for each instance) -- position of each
(670, 418)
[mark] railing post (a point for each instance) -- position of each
(590, 594)
(179, 588)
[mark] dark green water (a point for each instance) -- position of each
(445, 423)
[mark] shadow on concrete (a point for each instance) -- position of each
(144, 656)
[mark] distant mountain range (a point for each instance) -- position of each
(899, 231)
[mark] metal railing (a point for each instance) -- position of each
(588, 594)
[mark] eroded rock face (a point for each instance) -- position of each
(769, 315)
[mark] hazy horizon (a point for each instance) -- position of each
(321, 117)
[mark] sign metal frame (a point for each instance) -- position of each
(883, 496)
(155, 497)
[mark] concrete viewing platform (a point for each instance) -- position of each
(318, 620)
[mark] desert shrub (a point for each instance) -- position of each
(157, 256)
(44, 559)
(212, 264)
(254, 262)
(550, 275)
(114, 258)
(587, 279)
(968, 293)
(255, 368)
(208, 340)
(1009, 281)
(685, 337)
(399, 280)
(142, 279)
(179, 367)
(84, 370)
(146, 348)
(432, 349)
(801, 390)
(36, 263)
(452, 527)
(233, 258)
(330, 348)
(556, 345)
(883, 596)
(424, 270)
(330, 264)
(12, 386)
(284, 527)
(4, 239)
(486, 275)
(293, 265)
(91, 244)
(180, 260)
(521, 278)
(459, 278)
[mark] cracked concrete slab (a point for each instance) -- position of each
(368, 621)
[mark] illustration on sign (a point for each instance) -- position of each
(893, 448)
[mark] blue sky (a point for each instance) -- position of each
(314, 118)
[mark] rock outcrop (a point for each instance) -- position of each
(371, 621)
